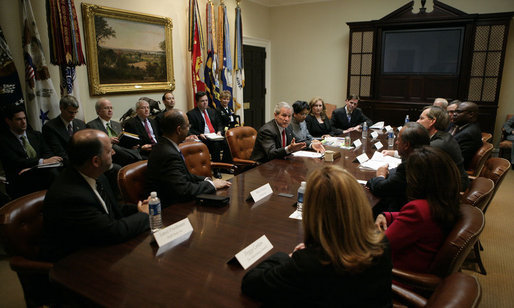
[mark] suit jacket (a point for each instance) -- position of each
(317, 129)
(57, 137)
(198, 123)
(224, 117)
(509, 124)
(415, 238)
(74, 217)
(134, 126)
(167, 174)
(300, 132)
(392, 189)
(340, 119)
(447, 143)
(303, 281)
(469, 138)
(97, 124)
(268, 145)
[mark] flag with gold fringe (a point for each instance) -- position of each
(239, 73)
(42, 102)
(195, 46)
(226, 68)
(211, 81)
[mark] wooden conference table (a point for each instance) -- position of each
(195, 273)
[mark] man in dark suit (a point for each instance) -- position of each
(122, 156)
(143, 126)
(167, 172)
(22, 151)
(80, 208)
(391, 186)
(275, 138)
(349, 117)
(58, 131)
(467, 131)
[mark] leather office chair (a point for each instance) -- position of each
(329, 109)
(479, 159)
(486, 137)
(21, 229)
(496, 169)
(456, 290)
(505, 145)
(131, 181)
(198, 159)
(241, 141)
(450, 256)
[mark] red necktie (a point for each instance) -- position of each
(208, 121)
(148, 131)
(284, 138)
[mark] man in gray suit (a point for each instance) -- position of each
(123, 156)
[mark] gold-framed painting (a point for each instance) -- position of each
(127, 51)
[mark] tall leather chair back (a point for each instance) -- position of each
(131, 181)
(241, 141)
(197, 158)
(479, 159)
(479, 193)
(495, 168)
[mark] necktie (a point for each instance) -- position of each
(70, 130)
(349, 118)
(110, 131)
(454, 130)
(148, 131)
(103, 194)
(31, 153)
(208, 121)
(284, 138)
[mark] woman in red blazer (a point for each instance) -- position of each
(417, 232)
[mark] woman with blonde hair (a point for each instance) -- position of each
(317, 121)
(343, 261)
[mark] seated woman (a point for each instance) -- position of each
(418, 230)
(317, 121)
(344, 260)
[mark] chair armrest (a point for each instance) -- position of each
(21, 264)
(223, 166)
(244, 161)
(419, 281)
(408, 297)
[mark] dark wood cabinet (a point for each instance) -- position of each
(477, 77)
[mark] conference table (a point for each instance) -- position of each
(195, 272)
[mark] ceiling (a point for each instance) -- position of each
(271, 3)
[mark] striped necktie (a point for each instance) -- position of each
(31, 153)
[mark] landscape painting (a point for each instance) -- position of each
(127, 51)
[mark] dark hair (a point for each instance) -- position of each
(172, 119)
(82, 149)
(432, 175)
(164, 95)
(300, 106)
(12, 110)
(415, 134)
(68, 101)
(353, 96)
(441, 117)
(199, 95)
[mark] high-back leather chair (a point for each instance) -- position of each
(479, 159)
(495, 168)
(450, 256)
(131, 181)
(456, 290)
(21, 229)
(198, 159)
(486, 137)
(241, 141)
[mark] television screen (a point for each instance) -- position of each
(422, 51)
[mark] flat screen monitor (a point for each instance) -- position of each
(422, 51)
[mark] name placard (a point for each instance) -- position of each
(253, 252)
(362, 158)
(378, 145)
(261, 192)
(173, 232)
(357, 143)
(388, 128)
(399, 128)
(374, 135)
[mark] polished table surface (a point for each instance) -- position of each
(195, 272)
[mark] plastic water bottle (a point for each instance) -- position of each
(364, 130)
(154, 207)
(406, 119)
(301, 191)
(390, 139)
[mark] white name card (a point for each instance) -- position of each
(388, 128)
(362, 158)
(399, 128)
(173, 232)
(254, 252)
(357, 143)
(378, 145)
(374, 135)
(296, 215)
(261, 192)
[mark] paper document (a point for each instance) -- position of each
(378, 125)
(307, 154)
(213, 136)
(49, 165)
(378, 160)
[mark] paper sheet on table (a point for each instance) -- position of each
(378, 160)
(378, 125)
(296, 215)
(213, 136)
(307, 154)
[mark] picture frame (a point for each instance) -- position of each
(127, 51)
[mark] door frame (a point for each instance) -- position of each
(266, 44)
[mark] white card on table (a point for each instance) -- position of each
(173, 232)
(254, 251)
(362, 158)
(378, 145)
(296, 215)
(399, 128)
(388, 128)
(261, 192)
(374, 135)
(357, 143)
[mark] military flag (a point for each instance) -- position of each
(226, 69)
(211, 81)
(195, 46)
(239, 73)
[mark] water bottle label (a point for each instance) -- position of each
(154, 209)
(300, 197)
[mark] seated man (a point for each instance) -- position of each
(349, 117)
(275, 139)
(509, 131)
(451, 110)
(391, 186)
(122, 156)
(467, 131)
(58, 131)
(226, 114)
(143, 126)
(168, 99)
(167, 171)
(299, 126)
(22, 150)
(440, 102)
(80, 208)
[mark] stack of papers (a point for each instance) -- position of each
(214, 136)
(307, 154)
(378, 160)
(378, 125)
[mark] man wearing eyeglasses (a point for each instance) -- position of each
(466, 130)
